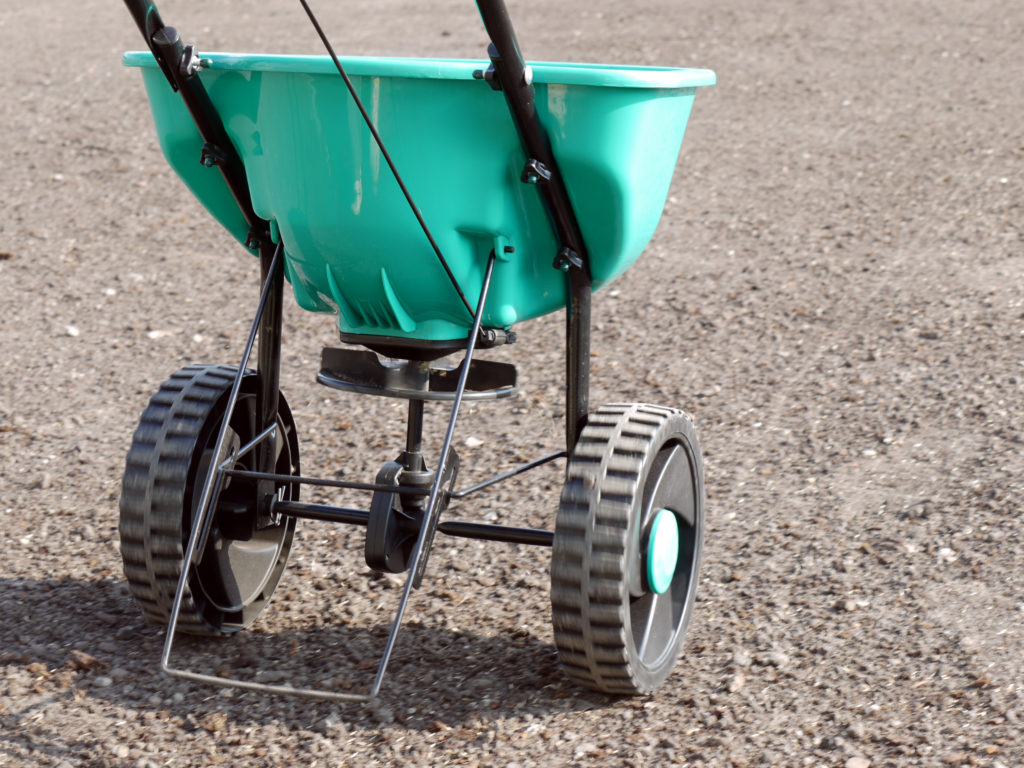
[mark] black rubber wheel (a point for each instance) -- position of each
(621, 596)
(242, 561)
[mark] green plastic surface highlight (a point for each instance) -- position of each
(662, 551)
(353, 247)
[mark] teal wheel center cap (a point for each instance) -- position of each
(662, 551)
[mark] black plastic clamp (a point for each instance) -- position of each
(535, 172)
(191, 61)
(490, 76)
(212, 155)
(254, 239)
(566, 259)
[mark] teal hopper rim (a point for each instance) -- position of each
(351, 247)
(566, 73)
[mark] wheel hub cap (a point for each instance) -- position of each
(662, 551)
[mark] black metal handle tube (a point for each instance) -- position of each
(146, 16)
(517, 86)
(165, 43)
(210, 126)
(147, 19)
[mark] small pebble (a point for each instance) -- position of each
(271, 676)
(584, 749)
(213, 722)
(778, 659)
(103, 682)
(858, 762)
(737, 683)
(741, 659)
(392, 581)
(330, 726)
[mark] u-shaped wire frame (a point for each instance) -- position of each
(204, 514)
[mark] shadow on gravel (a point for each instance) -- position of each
(69, 643)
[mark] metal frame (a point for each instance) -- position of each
(507, 73)
(222, 468)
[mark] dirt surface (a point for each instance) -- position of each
(834, 292)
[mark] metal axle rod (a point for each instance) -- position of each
(460, 528)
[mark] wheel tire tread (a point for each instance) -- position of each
(589, 560)
(152, 497)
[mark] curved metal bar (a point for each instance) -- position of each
(418, 559)
(511, 473)
(351, 485)
(213, 474)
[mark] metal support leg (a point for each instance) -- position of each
(414, 427)
(577, 357)
(269, 369)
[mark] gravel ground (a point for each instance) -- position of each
(834, 292)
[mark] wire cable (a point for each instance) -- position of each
(387, 157)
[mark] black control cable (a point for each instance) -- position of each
(384, 152)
